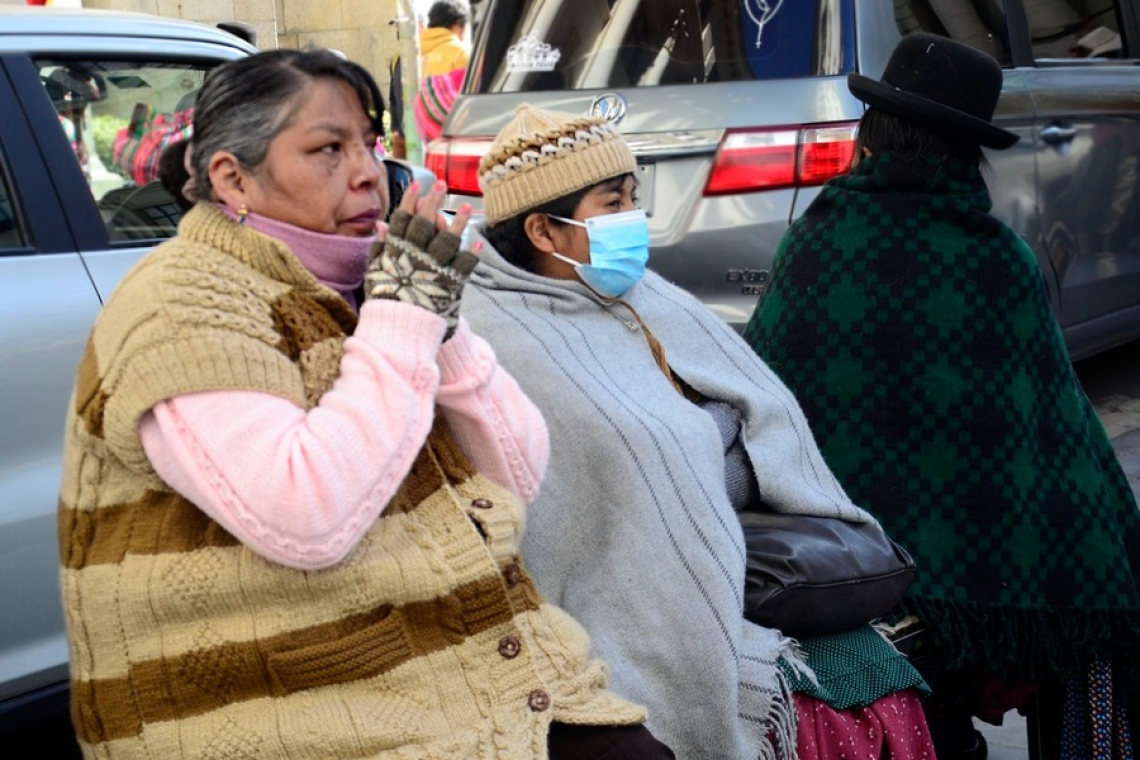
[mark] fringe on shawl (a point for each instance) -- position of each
(795, 663)
(1030, 644)
(783, 722)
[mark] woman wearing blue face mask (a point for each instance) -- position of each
(662, 424)
(618, 247)
(605, 249)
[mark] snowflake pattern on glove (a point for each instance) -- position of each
(406, 277)
(421, 266)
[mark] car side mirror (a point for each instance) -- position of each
(241, 30)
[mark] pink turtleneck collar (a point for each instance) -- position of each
(336, 261)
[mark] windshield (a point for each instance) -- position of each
(529, 45)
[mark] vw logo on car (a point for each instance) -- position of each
(610, 107)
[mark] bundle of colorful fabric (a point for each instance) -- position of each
(138, 146)
(433, 101)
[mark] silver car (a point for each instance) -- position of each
(738, 110)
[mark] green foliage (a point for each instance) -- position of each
(103, 129)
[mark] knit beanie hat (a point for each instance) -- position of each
(542, 155)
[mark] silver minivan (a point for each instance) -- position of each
(738, 110)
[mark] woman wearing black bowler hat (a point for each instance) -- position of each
(915, 330)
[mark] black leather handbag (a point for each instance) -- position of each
(815, 575)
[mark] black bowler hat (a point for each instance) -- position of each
(942, 83)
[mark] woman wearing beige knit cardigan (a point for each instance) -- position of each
(294, 479)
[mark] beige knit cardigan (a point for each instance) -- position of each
(428, 641)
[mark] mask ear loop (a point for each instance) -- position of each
(567, 259)
(574, 222)
(558, 255)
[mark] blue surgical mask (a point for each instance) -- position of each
(619, 250)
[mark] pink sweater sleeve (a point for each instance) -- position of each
(301, 488)
(493, 421)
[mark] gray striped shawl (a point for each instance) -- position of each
(633, 532)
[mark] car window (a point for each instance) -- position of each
(581, 44)
(11, 234)
(1058, 29)
(977, 23)
(117, 117)
(1066, 29)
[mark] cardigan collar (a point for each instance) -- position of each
(208, 225)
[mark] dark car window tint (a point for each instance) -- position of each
(11, 235)
(1075, 29)
(117, 117)
(977, 23)
(1058, 29)
(583, 44)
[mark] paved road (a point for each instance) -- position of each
(1112, 381)
(1128, 449)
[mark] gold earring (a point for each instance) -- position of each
(242, 212)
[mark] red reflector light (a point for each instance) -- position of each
(435, 158)
(767, 159)
(825, 152)
(456, 162)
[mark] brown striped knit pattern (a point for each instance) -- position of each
(427, 642)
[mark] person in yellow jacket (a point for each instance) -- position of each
(442, 49)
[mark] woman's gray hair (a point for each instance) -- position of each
(245, 103)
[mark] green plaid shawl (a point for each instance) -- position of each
(914, 329)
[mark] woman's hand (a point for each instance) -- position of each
(418, 260)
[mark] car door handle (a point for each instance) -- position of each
(1055, 134)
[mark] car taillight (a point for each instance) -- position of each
(456, 162)
(825, 152)
(435, 158)
(766, 159)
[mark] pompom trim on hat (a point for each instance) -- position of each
(530, 151)
(523, 171)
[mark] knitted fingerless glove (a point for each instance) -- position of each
(419, 265)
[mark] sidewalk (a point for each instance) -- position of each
(1128, 450)
(1009, 741)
